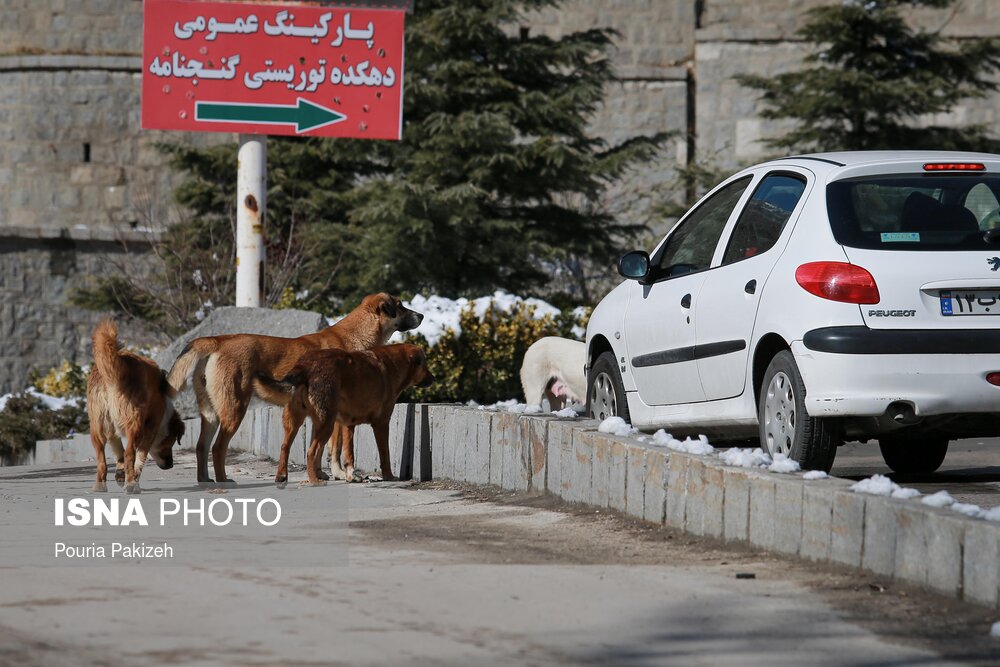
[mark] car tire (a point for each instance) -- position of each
(605, 391)
(914, 455)
(785, 426)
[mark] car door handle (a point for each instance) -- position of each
(686, 301)
(750, 287)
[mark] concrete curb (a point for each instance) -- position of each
(819, 520)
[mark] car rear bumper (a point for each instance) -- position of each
(866, 383)
(862, 340)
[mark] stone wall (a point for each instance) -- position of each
(38, 327)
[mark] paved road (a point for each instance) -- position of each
(971, 471)
(436, 577)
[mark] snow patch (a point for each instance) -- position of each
(968, 509)
(995, 630)
(992, 514)
(782, 463)
(50, 402)
(617, 426)
(510, 405)
(880, 485)
(688, 446)
(746, 458)
(566, 412)
(939, 499)
(442, 314)
(815, 474)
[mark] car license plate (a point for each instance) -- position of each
(970, 302)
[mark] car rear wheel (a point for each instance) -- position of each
(913, 455)
(605, 391)
(785, 427)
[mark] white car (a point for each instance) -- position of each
(814, 299)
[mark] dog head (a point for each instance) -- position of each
(393, 315)
(419, 375)
(170, 434)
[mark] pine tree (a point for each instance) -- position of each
(495, 174)
(873, 76)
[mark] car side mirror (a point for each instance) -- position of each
(634, 265)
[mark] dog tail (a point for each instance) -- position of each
(107, 354)
(193, 352)
(287, 384)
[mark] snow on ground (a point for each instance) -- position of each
(939, 499)
(617, 426)
(699, 446)
(510, 405)
(50, 402)
(815, 474)
(745, 458)
(995, 630)
(880, 485)
(782, 463)
(566, 412)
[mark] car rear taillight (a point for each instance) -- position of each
(955, 166)
(993, 378)
(838, 281)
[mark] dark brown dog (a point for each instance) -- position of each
(226, 369)
(348, 388)
(128, 395)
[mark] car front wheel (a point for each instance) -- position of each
(605, 391)
(913, 455)
(785, 427)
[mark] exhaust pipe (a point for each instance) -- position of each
(903, 413)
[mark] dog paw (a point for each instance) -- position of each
(120, 476)
(281, 481)
(132, 488)
(349, 475)
(100, 487)
(388, 477)
(322, 474)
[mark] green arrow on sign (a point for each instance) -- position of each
(305, 115)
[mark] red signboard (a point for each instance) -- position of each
(272, 69)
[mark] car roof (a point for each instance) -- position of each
(855, 158)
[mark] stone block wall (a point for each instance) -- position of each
(38, 327)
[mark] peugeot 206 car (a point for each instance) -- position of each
(812, 300)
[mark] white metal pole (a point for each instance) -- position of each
(251, 194)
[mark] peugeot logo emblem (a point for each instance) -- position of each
(994, 262)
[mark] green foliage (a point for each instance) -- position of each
(483, 362)
(25, 419)
(872, 76)
(66, 381)
(494, 176)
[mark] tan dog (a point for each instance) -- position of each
(128, 395)
(226, 369)
(348, 388)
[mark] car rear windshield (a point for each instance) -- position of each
(915, 211)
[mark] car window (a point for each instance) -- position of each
(764, 216)
(914, 211)
(691, 246)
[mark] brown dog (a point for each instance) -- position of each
(226, 369)
(128, 395)
(348, 389)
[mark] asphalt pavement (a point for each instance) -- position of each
(432, 575)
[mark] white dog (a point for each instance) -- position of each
(553, 369)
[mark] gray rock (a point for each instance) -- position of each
(232, 320)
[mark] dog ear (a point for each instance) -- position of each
(389, 308)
